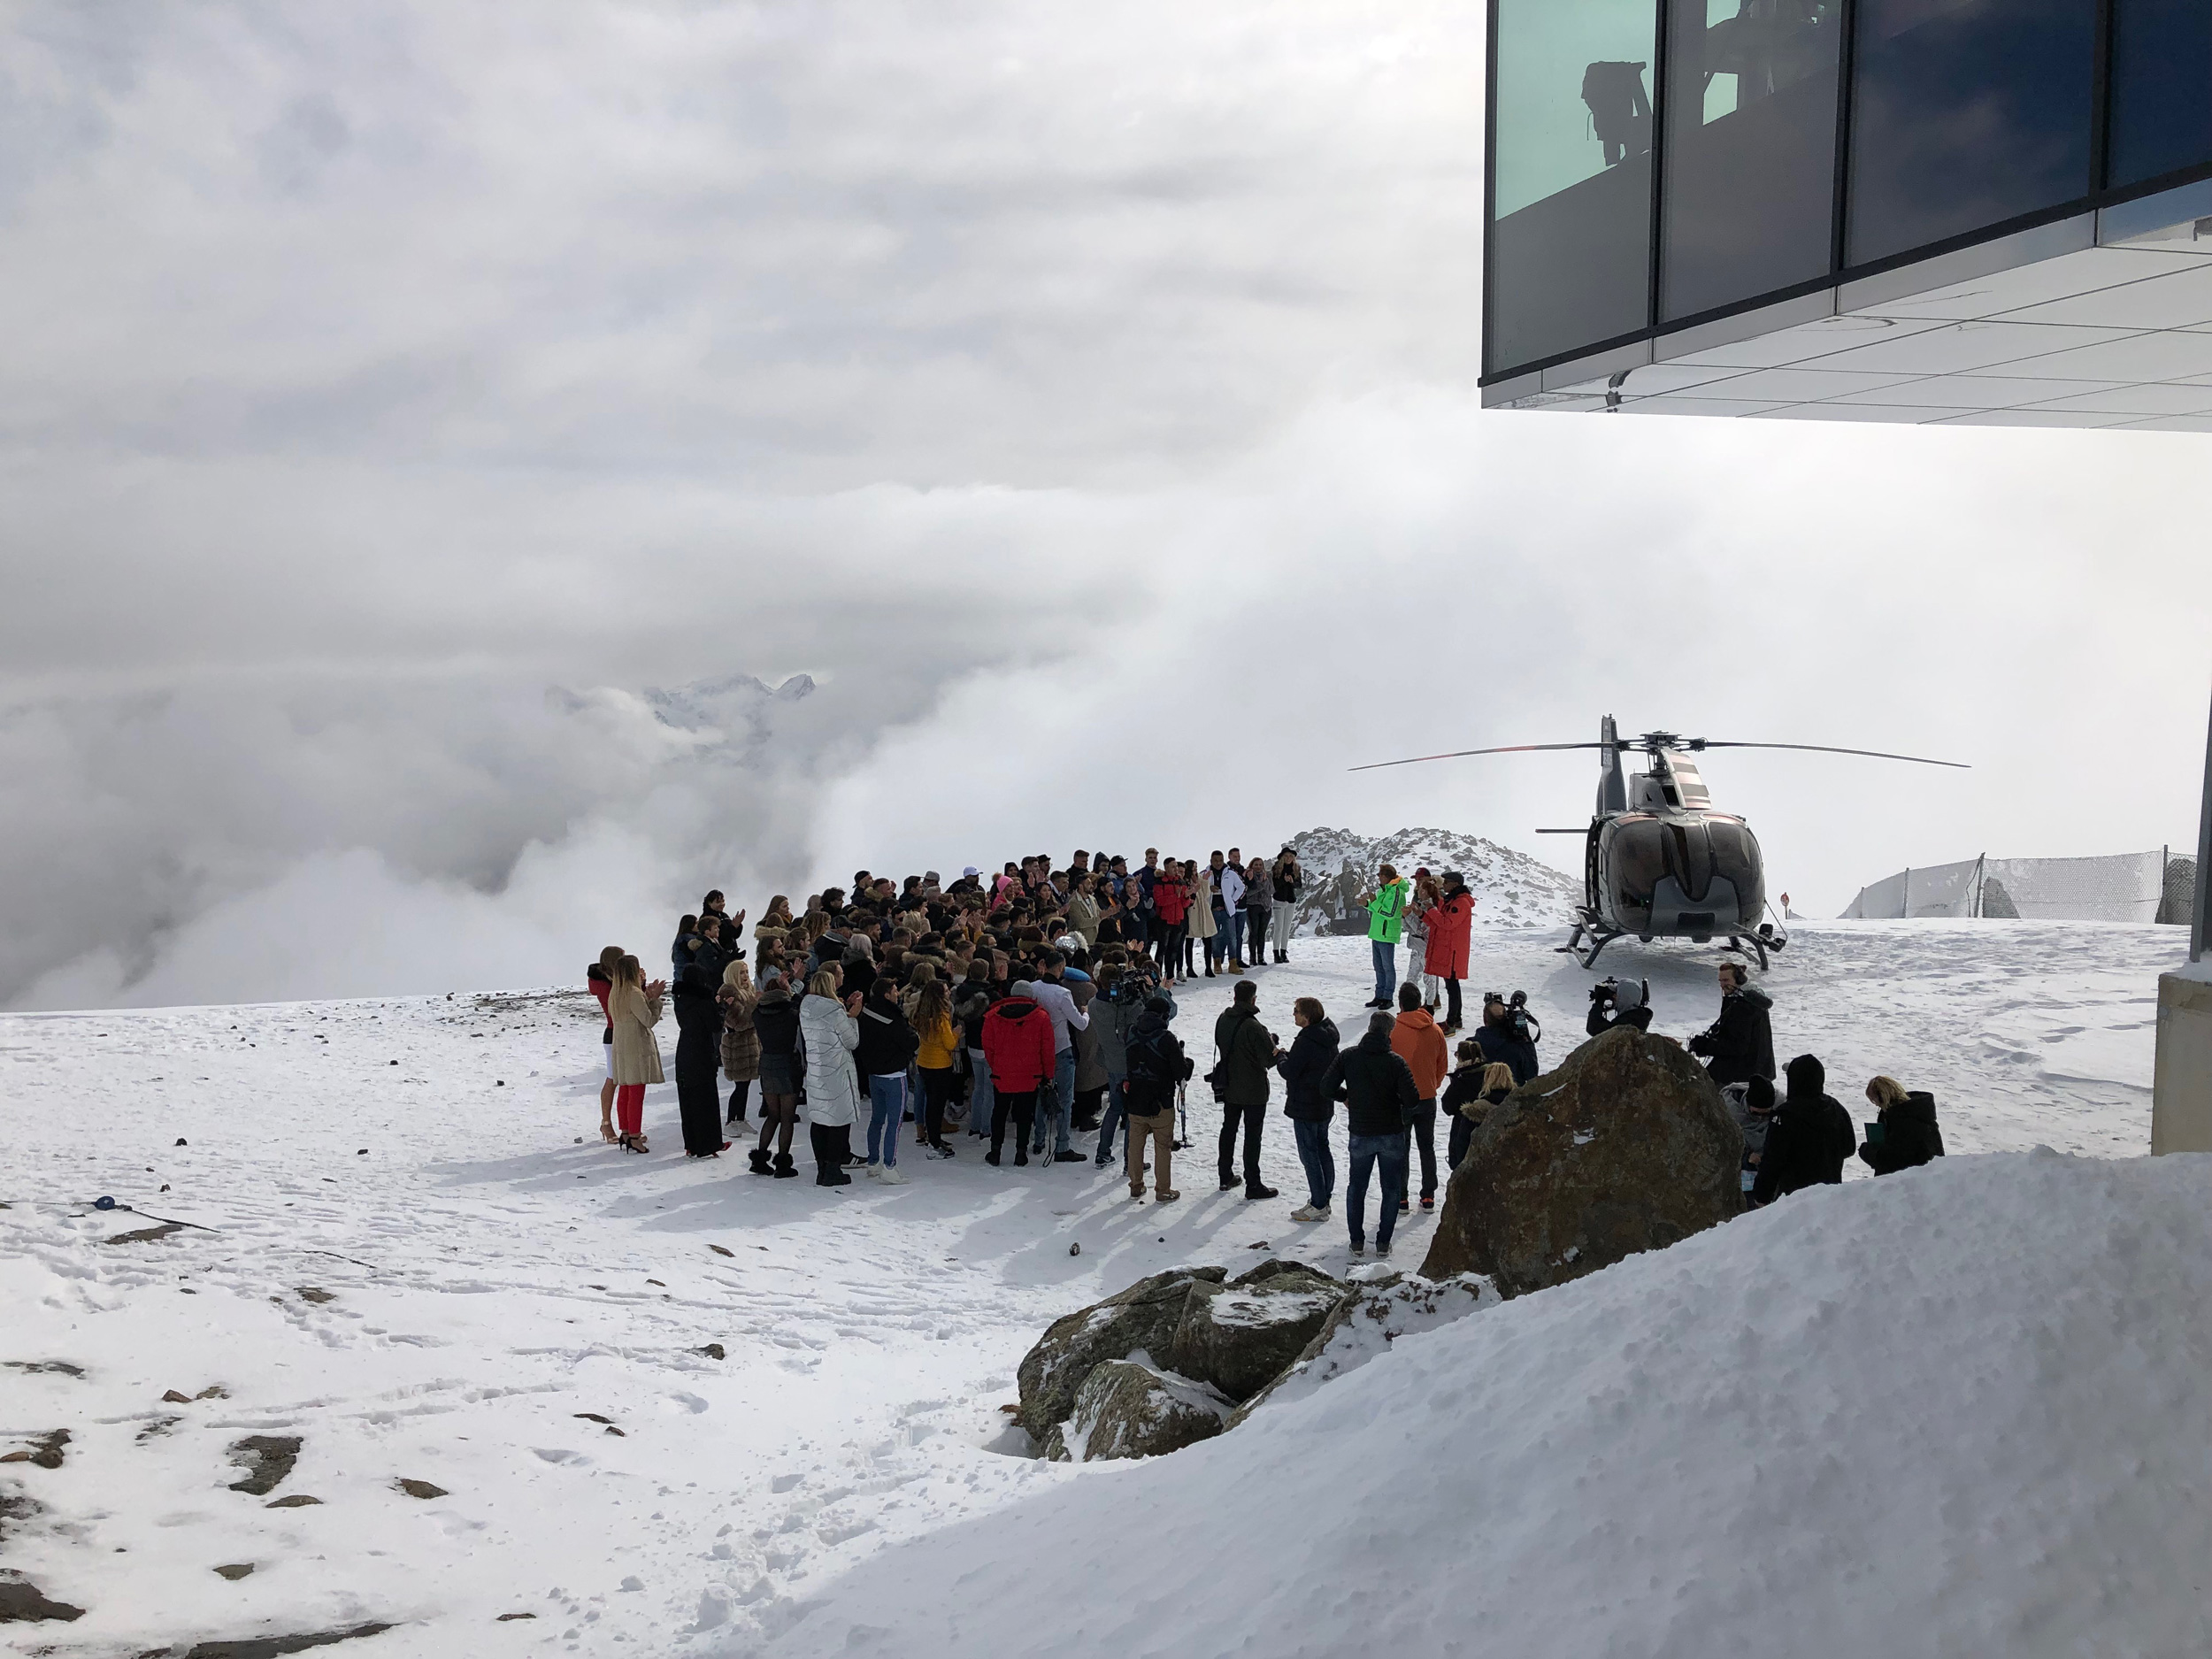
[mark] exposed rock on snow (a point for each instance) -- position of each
(1365, 1323)
(1627, 1146)
(1144, 1316)
(420, 1488)
(1511, 889)
(1125, 1408)
(268, 1459)
(1240, 1337)
(45, 1450)
(21, 1601)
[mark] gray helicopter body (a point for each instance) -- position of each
(1658, 861)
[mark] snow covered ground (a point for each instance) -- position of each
(480, 1280)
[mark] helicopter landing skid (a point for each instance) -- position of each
(1598, 937)
(1758, 944)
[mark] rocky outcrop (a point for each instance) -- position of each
(1626, 1147)
(268, 1459)
(1140, 1319)
(1128, 1410)
(1374, 1313)
(1239, 1337)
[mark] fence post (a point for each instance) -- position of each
(2201, 908)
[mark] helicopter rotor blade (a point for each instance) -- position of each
(1824, 748)
(1461, 754)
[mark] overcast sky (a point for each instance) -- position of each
(1083, 396)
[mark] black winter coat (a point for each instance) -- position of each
(1603, 1020)
(776, 1019)
(1501, 1046)
(1909, 1136)
(1248, 1056)
(1740, 1045)
(1805, 1145)
(1311, 1052)
(887, 1041)
(1375, 1085)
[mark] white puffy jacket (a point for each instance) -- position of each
(832, 1091)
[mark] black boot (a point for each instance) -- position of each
(786, 1170)
(759, 1161)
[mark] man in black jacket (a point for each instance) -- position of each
(1740, 1045)
(1377, 1090)
(887, 1044)
(1157, 1066)
(1810, 1137)
(1504, 1044)
(1247, 1051)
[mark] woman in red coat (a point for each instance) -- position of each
(1449, 921)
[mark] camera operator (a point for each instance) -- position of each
(1740, 1045)
(1619, 1003)
(1509, 1034)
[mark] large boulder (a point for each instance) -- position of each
(1373, 1313)
(1626, 1147)
(1241, 1336)
(1140, 1319)
(1125, 1409)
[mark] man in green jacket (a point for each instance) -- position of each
(1385, 923)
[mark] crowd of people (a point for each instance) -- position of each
(1038, 1005)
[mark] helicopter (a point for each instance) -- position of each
(1658, 861)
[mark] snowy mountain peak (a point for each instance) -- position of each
(1511, 889)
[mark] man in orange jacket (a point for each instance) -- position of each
(1419, 1041)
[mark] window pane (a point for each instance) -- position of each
(1966, 112)
(1751, 149)
(1571, 246)
(2162, 88)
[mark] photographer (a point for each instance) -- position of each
(1740, 1045)
(1509, 1034)
(1619, 1003)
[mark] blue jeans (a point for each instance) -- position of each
(1235, 936)
(1386, 968)
(1063, 1105)
(1391, 1151)
(887, 1098)
(978, 1094)
(1116, 1114)
(1313, 1152)
(1217, 942)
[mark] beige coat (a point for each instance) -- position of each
(637, 1052)
(1200, 918)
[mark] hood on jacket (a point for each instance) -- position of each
(1418, 1019)
(1325, 1028)
(1917, 1107)
(1015, 1007)
(1754, 998)
(1808, 1078)
(1375, 1042)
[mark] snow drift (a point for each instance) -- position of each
(1965, 1411)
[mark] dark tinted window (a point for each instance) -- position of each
(2162, 88)
(1966, 112)
(1751, 149)
(1571, 241)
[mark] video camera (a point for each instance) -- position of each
(1622, 994)
(1516, 1015)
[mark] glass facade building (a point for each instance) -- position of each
(1670, 177)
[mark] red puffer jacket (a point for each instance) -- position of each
(1171, 900)
(1448, 924)
(1017, 1046)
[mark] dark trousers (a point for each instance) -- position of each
(1451, 1003)
(1313, 1152)
(936, 1091)
(1250, 1116)
(833, 1145)
(739, 1093)
(1087, 1103)
(1455, 1149)
(1019, 1108)
(1367, 1151)
(1171, 943)
(1424, 1128)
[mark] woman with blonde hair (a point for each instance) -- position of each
(1475, 1088)
(1903, 1134)
(633, 1007)
(833, 1090)
(741, 1043)
(1203, 924)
